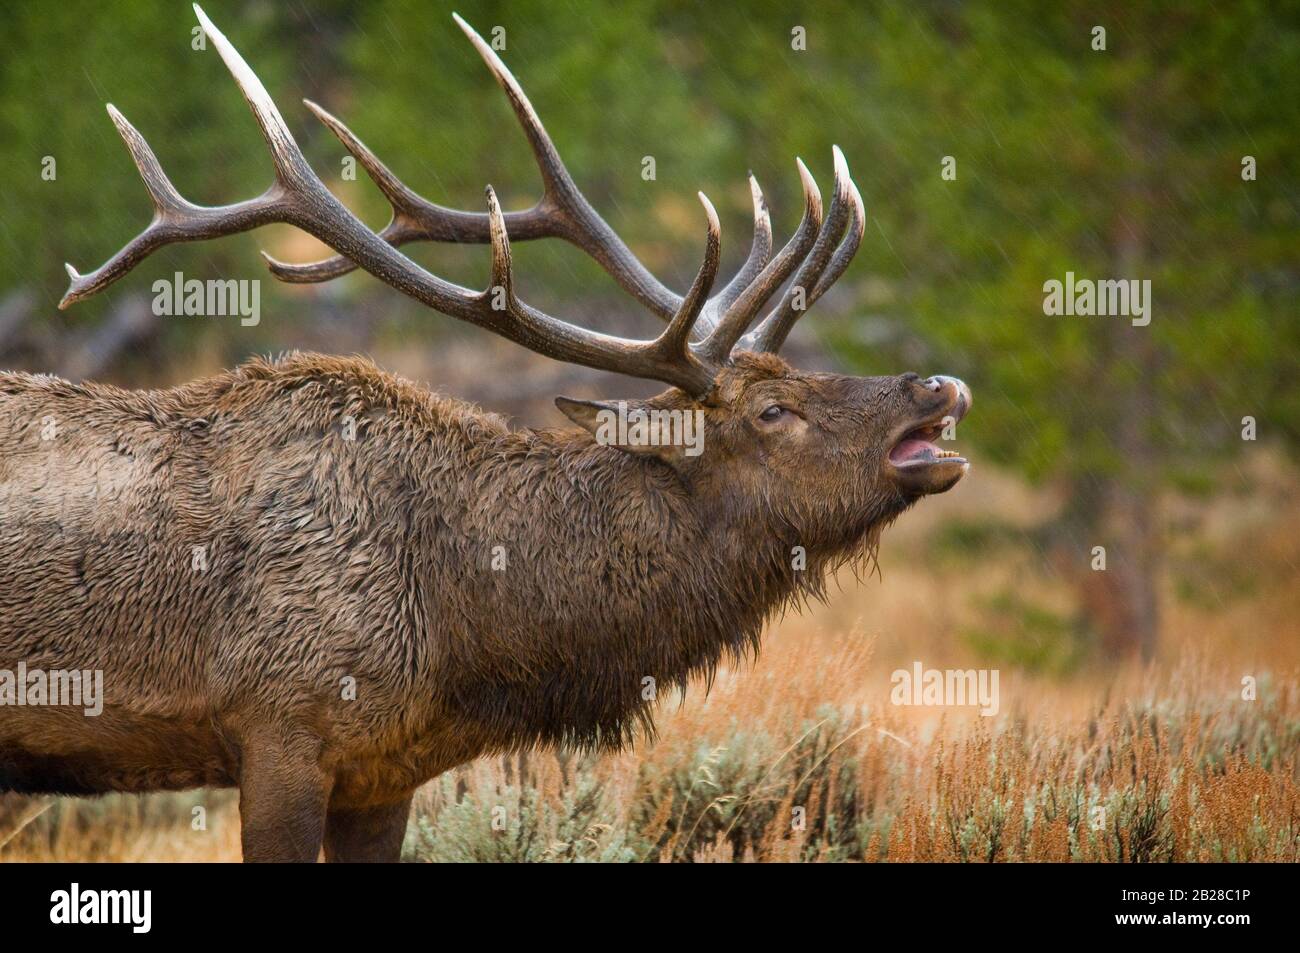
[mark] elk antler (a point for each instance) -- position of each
(564, 212)
(298, 197)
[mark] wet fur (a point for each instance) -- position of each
(373, 560)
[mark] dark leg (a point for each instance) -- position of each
(366, 835)
(282, 797)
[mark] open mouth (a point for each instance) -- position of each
(918, 464)
(917, 448)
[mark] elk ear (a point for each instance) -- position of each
(585, 413)
(636, 427)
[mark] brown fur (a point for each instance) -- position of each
(373, 559)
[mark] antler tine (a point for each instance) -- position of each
(174, 220)
(415, 218)
(827, 253)
(667, 358)
(848, 247)
(760, 251)
(503, 268)
(166, 199)
(299, 198)
(675, 339)
(737, 318)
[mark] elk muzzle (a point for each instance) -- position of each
(917, 464)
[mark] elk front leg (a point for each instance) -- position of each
(368, 834)
(282, 796)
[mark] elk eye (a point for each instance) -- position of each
(772, 413)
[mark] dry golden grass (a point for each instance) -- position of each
(1083, 762)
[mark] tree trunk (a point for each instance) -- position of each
(1121, 601)
(1122, 511)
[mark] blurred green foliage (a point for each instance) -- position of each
(1014, 630)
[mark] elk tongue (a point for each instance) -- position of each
(911, 449)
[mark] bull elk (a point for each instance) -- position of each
(365, 556)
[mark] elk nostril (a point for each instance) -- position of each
(963, 392)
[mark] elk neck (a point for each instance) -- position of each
(603, 581)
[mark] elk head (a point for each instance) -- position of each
(827, 456)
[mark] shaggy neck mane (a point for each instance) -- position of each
(644, 585)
